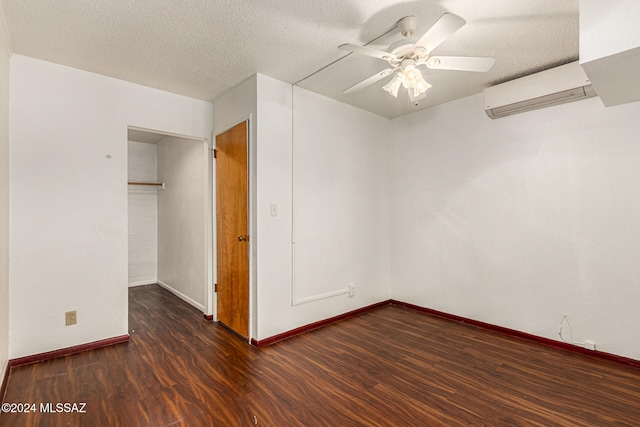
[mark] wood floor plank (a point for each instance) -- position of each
(389, 367)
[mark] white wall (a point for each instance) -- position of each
(182, 166)
(519, 221)
(143, 214)
(4, 196)
(69, 197)
(610, 49)
(142, 163)
(608, 28)
(338, 191)
(274, 187)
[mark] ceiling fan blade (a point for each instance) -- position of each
(460, 63)
(441, 30)
(366, 82)
(363, 50)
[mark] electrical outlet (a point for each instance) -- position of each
(70, 318)
(351, 287)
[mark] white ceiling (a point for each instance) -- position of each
(201, 48)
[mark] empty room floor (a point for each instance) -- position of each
(391, 366)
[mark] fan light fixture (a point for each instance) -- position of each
(409, 77)
(406, 55)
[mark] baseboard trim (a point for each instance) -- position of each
(41, 357)
(182, 296)
(208, 317)
(452, 317)
(315, 325)
(522, 335)
(3, 384)
(143, 282)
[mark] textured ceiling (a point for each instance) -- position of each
(201, 48)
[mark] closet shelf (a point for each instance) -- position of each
(148, 184)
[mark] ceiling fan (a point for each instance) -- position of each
(405, 56)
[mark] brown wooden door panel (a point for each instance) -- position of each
(232, 188)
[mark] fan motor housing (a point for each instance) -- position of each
(402, 47)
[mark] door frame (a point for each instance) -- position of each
(212, 302)
(206, 205)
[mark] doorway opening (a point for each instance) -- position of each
(168, 211)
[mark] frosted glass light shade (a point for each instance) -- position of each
(393, 86)
(411, 79)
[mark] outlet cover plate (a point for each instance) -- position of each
(70, 318)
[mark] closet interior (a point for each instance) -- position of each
(167, 213)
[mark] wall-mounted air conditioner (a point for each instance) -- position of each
(558, 85)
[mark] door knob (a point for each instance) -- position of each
(243, 238)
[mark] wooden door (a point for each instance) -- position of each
(232, 230)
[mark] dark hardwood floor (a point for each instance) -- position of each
(389, 367)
